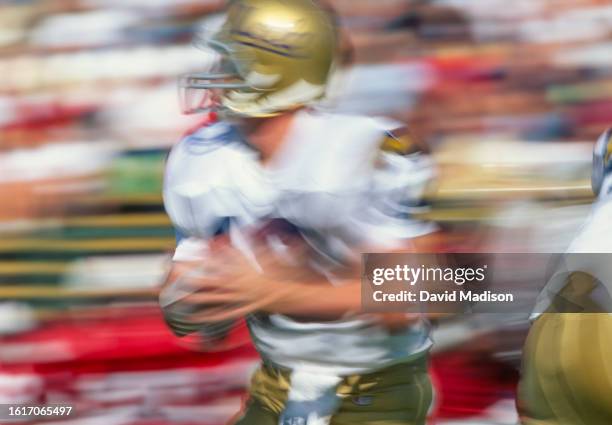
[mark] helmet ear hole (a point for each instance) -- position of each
(601, 160)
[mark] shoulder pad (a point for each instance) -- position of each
(400, 142)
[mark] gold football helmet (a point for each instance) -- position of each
(271, 56)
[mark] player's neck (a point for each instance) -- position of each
(268, 134)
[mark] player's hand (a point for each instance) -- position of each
(243, 287)
(231, 297)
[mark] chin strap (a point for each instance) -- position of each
(312, 398)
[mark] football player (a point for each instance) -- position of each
(567, 358)
(274, 204)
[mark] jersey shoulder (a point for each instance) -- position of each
(208, 157)
(385, 134)
(206, 145)
(210, 137)
(204, 173)
(400, 141)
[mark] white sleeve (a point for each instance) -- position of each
(208, 180)
(398, 188)
(186, 181)
(186, 190)
(400, 181)
(190, 249)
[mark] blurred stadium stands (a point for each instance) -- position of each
(508, 96)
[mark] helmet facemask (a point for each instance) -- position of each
(203, 91)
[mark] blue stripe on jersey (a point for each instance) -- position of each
(223, 228)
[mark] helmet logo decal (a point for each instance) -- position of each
(257, 79)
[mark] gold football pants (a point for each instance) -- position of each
(398, 395)
(567, 370)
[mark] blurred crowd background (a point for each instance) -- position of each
(508, 96)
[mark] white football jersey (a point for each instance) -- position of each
(332, 182)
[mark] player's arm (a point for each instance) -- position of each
(191, 267)
(176, 323)
(326, 302)
(179, 268)
(282, 290)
